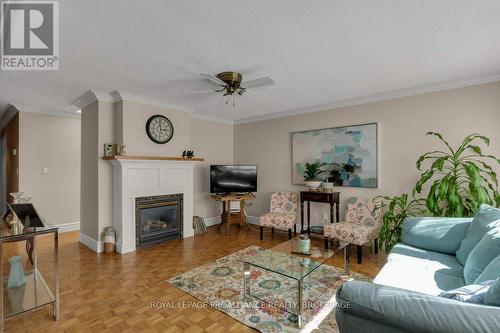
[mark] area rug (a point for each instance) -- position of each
(220, 285)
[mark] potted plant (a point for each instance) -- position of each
(399, 207)
(461, 178)
(311, 174)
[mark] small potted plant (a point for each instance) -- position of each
(311, 174)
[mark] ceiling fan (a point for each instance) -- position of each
(230, 84)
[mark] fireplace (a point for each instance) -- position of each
(158, 218)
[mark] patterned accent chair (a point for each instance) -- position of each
(283, 214)
(362, 225)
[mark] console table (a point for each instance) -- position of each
(331, 198)
(226, 216)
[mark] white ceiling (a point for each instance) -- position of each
(317, 52)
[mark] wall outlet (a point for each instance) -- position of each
(45, 171)
(325, 217)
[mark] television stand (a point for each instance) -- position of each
(228, 217)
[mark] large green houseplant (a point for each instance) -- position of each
(399, 207)
(461, 180)
(461, 177)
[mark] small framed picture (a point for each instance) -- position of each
(108, 150)
(119, 149)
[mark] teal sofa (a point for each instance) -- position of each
(404, 295)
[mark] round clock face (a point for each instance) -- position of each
(159, 129)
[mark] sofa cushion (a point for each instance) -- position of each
(440, 234)
(487, 218)
(482, 255)
(492, 297)
(472, 293)
(491, 272)
(420, 270)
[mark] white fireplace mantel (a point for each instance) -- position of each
(134, 178)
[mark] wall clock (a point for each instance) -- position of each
(159, 129)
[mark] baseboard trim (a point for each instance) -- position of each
(253, 220)
(67, 227)
(91, 243)
(210, 221)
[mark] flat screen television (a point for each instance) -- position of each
(233, 178)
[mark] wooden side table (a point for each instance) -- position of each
(227, 216)
(331, 198)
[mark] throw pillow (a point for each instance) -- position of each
(473, 293)
(491, 272)
(482, 255)
(487, 218)
(492, 296)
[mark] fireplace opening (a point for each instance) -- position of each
(158, 218)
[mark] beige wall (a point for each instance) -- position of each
(134, 134)
(51, 142)
(403, 123)
(214, 142)
(89, 203)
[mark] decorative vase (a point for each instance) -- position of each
(109, 240)
(304, 245)
(16, 272)
(313, 184)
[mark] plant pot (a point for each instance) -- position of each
(313, 184)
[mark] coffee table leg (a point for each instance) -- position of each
(299, 313)
(347, 262)
(246, 280)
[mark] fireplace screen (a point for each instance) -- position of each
(158, 218)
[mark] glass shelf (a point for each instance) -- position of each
(33, 294)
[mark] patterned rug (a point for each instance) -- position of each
(220, 285)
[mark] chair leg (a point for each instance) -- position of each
(294, 230)
(375, 245)
(261, 232)
(290, 233)
(360, 254)
(272, 231)
(326, 243)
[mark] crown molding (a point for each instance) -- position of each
(10, 112)
(120, 95)
(50, 112)
(202, 116)
(90, 97)
(417, 90)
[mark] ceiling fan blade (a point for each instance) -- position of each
(201, 92)
(263, 81)
(257, 95)
(213, 79)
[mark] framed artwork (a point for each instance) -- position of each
(349, 153)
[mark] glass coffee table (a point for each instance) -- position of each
(285, 260)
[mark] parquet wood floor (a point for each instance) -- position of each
(114, 293)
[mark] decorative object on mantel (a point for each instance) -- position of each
(199, 225)
(109, 239)
(119, 149)
(108, 149)
(188, 154)
(159, 129)
(311, 175)
(16, 272)
(152, 158)
(351, 149)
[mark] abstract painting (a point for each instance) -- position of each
(349, 154)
